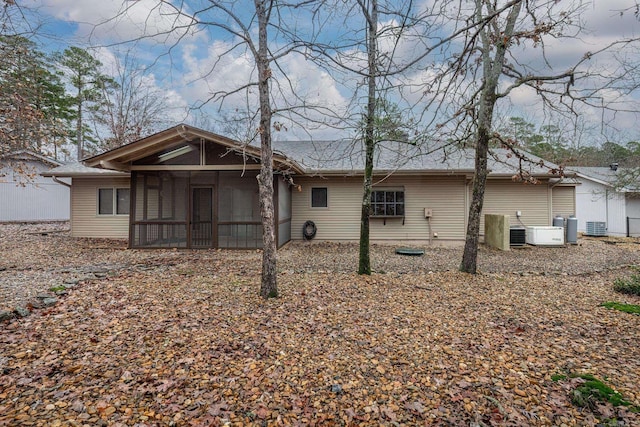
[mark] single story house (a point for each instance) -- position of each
(600, 199)
(27, 196)
(189, 188)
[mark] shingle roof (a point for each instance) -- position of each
(30, 155)
(608, 176)
(605, 174)
(347, 157)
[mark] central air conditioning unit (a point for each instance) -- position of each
(545, 236)
(596, 228)
(517, 236)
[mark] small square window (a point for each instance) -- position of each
(319, 197)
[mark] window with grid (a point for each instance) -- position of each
(386, 203)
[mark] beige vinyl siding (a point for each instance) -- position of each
(85, 221)
(505, 197)
(341, 219)
(563, 201)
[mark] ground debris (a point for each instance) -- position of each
(182, 338)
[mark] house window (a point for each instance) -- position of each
(319, 197)
(113, 201)
(385, 203)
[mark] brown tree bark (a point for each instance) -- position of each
(364, 258)
(470, 254)
(492, 70)
(268, 284)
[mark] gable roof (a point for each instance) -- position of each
(119, 158)
(30, 155)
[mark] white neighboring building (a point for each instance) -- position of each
(598, 200)
(25, 195)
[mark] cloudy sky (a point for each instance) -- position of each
(193, 62)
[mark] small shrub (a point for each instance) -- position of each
(629, 286)
(558, 377)
(627, 308)
(594, 390)
(58, 288)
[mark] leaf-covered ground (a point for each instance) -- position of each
(181, 338)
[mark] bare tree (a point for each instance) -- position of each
(492, 56)
(374, 114)
(18, 18)
(268, 287)
(250, 29)
(493, 67)
(134, 107)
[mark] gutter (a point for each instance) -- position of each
(557, 183)
(56, 180)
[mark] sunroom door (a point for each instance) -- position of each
(201, 217)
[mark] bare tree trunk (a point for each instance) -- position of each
(364, 264)
(470, 255)
(364, 260)
(492, 70)
(268, 285)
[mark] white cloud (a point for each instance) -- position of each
(105, 21)
(219, 70)
(201, 66)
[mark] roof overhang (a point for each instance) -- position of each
(85, 175)
(77, 170)
(120, 158)
(596, 180)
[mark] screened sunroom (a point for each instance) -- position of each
(194, 189)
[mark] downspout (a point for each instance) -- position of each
(606, 209)
(551, 214)
(56, 180)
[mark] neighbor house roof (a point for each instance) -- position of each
(612, 177)
(30, 155)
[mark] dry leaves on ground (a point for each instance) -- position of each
(181, 338)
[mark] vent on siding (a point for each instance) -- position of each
(517, 236)
(596, 228)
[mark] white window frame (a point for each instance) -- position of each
(114, 196)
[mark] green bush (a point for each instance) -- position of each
(594, 390)
(629, 286)
(627, 308)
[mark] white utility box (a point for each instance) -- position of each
(545, 236)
